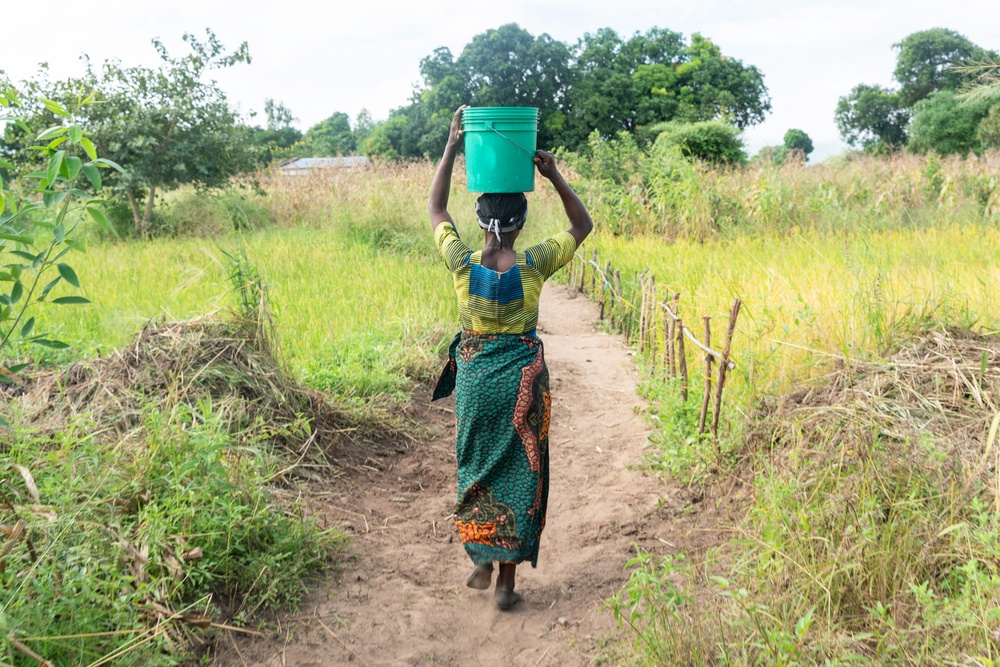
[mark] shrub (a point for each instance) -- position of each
(713, 141)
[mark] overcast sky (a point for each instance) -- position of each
(321, 57)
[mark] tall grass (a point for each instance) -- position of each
(657, 191)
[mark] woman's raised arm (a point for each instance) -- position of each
(580, 224)
(437, 205)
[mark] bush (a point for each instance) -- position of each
(941, 123)
(989, 129)
(713, 141)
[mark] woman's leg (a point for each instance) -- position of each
(505, 596)
(480, 577)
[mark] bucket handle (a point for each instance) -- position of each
(489, 125)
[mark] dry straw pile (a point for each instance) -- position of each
(942, 390)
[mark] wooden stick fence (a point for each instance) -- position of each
(642, 323)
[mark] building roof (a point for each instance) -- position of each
(306, 163)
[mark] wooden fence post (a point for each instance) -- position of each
(724, 366)
(593, 274)
(708, 375)
(583, 266)
(668, 341)
(651, 325)
(642, 311)
(682, 359)
(618, 307)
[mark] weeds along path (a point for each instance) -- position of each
(403, 600)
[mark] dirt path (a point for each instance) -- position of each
(403, 602)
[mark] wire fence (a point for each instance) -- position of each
(655, 326)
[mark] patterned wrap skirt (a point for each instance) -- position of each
(503, 405)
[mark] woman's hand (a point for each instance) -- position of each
(546, 163)
(455, 134)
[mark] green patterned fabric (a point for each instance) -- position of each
(503, 405)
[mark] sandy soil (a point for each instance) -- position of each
(403, 600)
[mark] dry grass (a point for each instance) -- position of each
(943, 387)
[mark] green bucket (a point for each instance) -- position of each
(499, 148)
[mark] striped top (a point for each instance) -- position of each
(494, 302)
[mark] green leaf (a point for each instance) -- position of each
(75, 134)
(48, 288)
(17, 368)
(55, 143)
(68, 274)
(73, 166)
(26, 255)
(3, 202)
(102, 221)
(51, 199)
(19, 238)
(5, 164)
(55, 164)
(16, 293)
(28, 327)
(88, 147)
(4, 423)
(55, 107)
(109, 163)
(69, 246)
(54, 344)
(52, 133)
(93, 175)
(71, 300)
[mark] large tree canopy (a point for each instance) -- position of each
(926, 60)
(605, 82)
(872, 117)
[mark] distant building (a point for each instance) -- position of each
(307, 165)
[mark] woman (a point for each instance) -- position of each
(497, 369)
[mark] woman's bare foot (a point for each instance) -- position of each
(480, 577)
(504, 596)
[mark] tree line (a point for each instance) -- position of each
(603, 82)
(926, 111)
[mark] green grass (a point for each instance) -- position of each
(181, 516)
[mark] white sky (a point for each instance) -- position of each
(321, 57)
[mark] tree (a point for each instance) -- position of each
(873, 118)
(363, 126)
(797, 140)
(926, 61)
(941, 123)
(655, 77)
(332, 136)
(277, 139)
(278, 115)
(171, 125)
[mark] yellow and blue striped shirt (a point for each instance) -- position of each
(494, 302)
